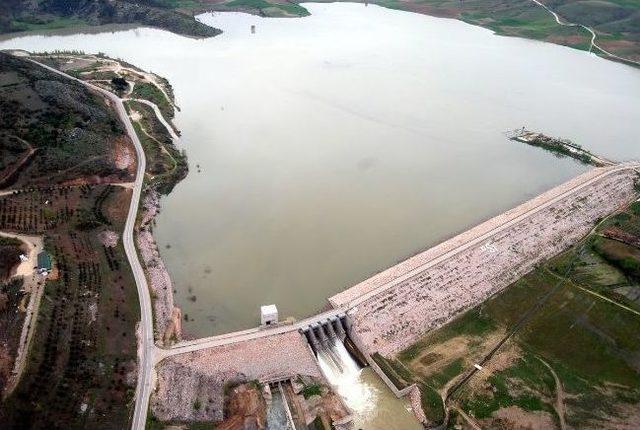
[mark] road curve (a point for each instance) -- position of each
(147, 348)
(159, 115)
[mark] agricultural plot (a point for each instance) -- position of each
(81, 367)
(80, 371)
(568, 336)
(11, 297)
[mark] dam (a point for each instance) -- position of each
(392, 309)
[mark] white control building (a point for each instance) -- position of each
(268, 315)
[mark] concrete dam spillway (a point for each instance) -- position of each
(428, 290)
(326, 340)
(339, 366)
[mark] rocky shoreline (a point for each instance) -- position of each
(167, 316)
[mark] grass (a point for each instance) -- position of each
(165, 163)
(252, 4)
(527, 377)
(431, 403)
(449, 372)
(471, 323)
(147, 91)
(267, 8)
(35, 24)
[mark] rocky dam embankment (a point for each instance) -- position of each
(394, 308)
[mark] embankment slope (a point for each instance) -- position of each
(392, 309)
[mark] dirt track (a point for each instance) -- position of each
(34, 284)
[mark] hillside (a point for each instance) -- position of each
(66, 147)
(53, 130)
(23, 15)
(616, 22)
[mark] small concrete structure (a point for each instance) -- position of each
(268, 315)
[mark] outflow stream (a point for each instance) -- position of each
(373, 405)
(277, 418)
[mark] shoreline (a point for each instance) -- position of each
(167, 317)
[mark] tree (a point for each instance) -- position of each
(119, 83)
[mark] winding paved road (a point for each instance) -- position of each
(146, 348)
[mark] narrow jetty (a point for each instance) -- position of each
(561, 147)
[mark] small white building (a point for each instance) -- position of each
(268, 315)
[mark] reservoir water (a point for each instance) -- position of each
(332, 146)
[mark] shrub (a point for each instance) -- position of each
(311, 390)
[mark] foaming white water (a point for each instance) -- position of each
(372, 404)
(345, 357)
(361, 397)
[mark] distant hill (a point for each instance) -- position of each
(22, 15)
(616, 22)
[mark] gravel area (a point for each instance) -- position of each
(398, 316)
(202, 375)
